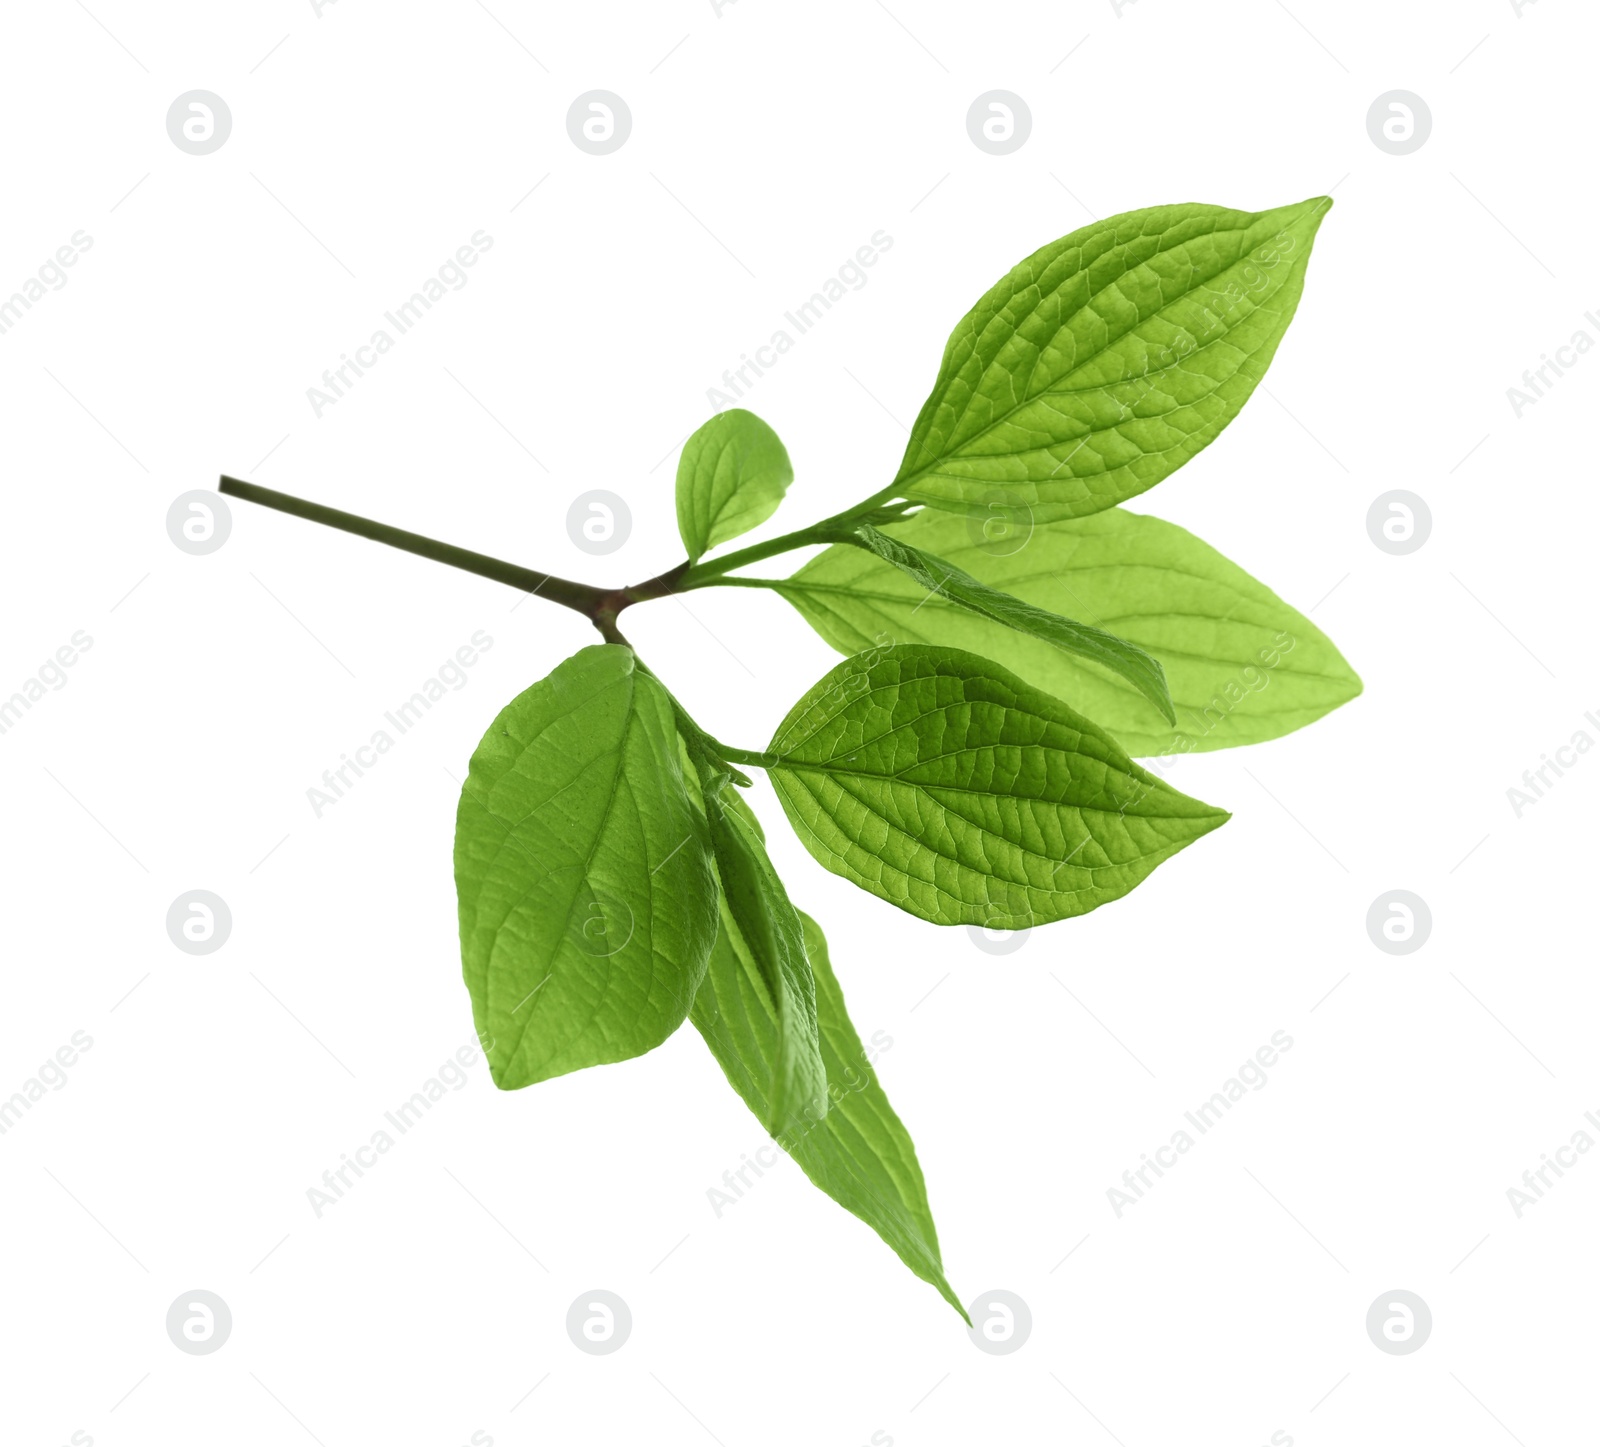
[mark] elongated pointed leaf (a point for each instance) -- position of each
(1107, 359)
(941, 579)
(764, 928)
(731, 477)
(1242, 665)
(583, 873)
(946, 785)
(859, 1153)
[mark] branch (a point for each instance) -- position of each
(581, 597)
(599, 605)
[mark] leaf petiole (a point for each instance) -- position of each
(755, 759)
(880, 507)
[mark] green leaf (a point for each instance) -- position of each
(1243, 666)
(859, 1153)
(946, 785)
(587, 900)
(1107, 359)
(765, 929)
(731, 477)
(935, 576)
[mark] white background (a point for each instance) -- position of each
(767, 145)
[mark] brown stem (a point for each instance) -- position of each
(600, 605)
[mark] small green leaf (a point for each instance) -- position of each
(936, 577)
(859, 1153)
(587, 900)
(731, 477)
(764, 928)
(1106, 360)
(1243, 666)
(946, 785)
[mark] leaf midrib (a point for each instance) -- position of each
(619, 772)
(900, 781)
(786, 761)
(1073, 893)
(796, 584)
(916, 477)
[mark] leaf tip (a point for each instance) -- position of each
(1319, 206)
(948, 1293)
(1211, 822)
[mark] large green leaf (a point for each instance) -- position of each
(859, 1153)
(937, 577)
(731, 477)
(944, 784)
(764, 928)
(1107, 359)
(587, 900)
(1242, 665)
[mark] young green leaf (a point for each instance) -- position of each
(946, 785)
(939, 578)
(731, 477)
(1243, 666)
(764, 928)
(587, 901)
(1107, 359)
(859, 1153)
